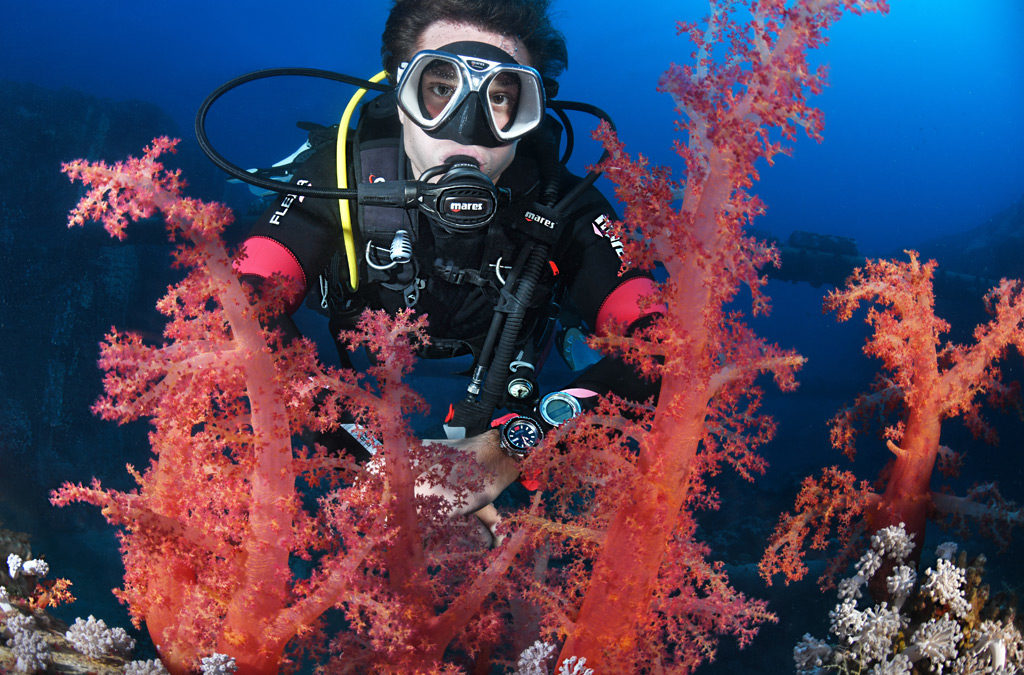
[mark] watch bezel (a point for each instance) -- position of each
(506, 445)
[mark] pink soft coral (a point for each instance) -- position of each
(652, 600)
(218, 523)
(925, 382)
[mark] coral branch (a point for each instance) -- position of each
(733, 103)
(218, 521)
(825, 507)
(925, 382)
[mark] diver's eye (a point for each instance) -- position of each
(439, 83)
(442, 90)
(503, 91)
(435, 94)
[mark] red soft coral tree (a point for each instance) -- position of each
(218, 528)
(652, 600)
(924, 383)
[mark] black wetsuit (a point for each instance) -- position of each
(454, 277)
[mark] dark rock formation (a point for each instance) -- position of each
(994, 249)
(61, 290)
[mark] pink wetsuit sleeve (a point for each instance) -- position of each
(264, 257)
(624, 305)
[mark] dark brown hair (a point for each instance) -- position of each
(527, 20)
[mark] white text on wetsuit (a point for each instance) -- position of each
(603, 228)
(286, 204)
(540, 220)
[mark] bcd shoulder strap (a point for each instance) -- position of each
(375, 159)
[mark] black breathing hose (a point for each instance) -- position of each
(497, 373)
(267, 184)
(477, 413)
(235, 171)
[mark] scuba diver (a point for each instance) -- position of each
(466, 214)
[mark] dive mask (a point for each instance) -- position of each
(472, 93)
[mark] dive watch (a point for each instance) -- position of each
(519, 436)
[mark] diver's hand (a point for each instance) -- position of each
(499, 471)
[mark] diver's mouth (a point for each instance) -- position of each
(463, 157)
(454, 160)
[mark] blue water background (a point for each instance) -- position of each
(924, 137)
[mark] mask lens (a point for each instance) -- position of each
(503, 94)
(438, 85)
(434, 90)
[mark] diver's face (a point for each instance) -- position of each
(425, 151)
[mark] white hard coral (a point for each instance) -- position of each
(18, 566)
(881, 624)
(93, 638)
(575, 665)
(995, 647)
(811, 653)
(900, 584)
(31, 651)
(893, 542)
(150, 667)
(936, 640)
(36, 568)
(14, 565)
(218, 664)
(533, 659)
(941, 638)
(944, 584)
(899, 664)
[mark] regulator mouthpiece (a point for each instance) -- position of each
(464, 198)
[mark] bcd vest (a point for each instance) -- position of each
(461, 269)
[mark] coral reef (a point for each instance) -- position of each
(28, 646)
(92, 637)
(33, 640)
(653, 599)
(221, 514)
(943, 623)
(616, 570)
(148, 667)
(24, 581)
(925, 382)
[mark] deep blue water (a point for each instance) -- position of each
(923, 130)
(923, 138)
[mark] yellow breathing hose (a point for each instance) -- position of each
(344, 205)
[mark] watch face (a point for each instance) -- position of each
(520, 435)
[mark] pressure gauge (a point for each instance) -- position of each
(519, 436)
(558, 407)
